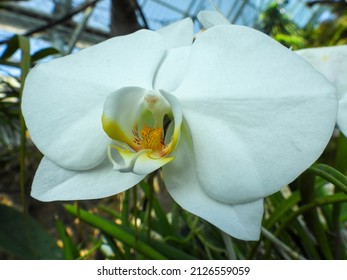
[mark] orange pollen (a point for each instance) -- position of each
(151, 138)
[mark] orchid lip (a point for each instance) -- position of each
(137, 127)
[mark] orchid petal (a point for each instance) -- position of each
(52, 182)
(260, 120)
(211, 18)
(141, 163)
(78, 84)
(172, 69)
(178, 118)
(242, 221)
(178, 34)
(331, 62)
(116, 123)
(145, 164)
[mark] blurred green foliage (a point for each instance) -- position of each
(274, 22)
(23, 237)
(329, 32)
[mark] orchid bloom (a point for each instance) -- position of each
(332, 63)
(230, 118)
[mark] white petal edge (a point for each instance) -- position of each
(53, 183)
(211, 18)
(331, 62)
(178, 34)
(242, 221)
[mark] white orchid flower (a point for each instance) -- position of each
(332, 63)
(230, 118)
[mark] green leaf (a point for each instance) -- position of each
(12, 47)
(321, 201)
(9, 63)
(151, 248)
(24, 238)
(311, 216)
(44, 53)
(330, 174)
(115, 231)
(341, 154)
(118, 254)
(70, 250)
(281, 210)
(165, 227)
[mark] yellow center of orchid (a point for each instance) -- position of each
(151, 138)
(138, 133)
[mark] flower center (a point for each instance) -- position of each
(151, 138)
(138, 121)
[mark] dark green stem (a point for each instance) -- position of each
(125, 216)
(24, 46)
(307, 191)
(341, 165)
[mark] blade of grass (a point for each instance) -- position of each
(341, 165)
(115, 249)
(115, 231)
(165, 227)
(339, 180)
(70, 250)
(44, 53)
(307, 190)
(330, 174)
(284, 207)
(281, 245)
(124, 216)
(336, 198)
(12, 47)
(229, 246)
